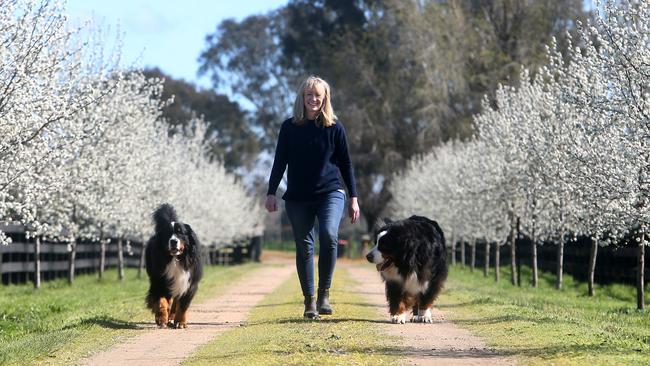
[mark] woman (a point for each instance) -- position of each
(313, 145)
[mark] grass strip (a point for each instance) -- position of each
(60, 324)
(276, 334)
(544, 326)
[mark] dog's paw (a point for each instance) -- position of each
(181, 325)
(398, 319)
(161, 322)
(424, 316)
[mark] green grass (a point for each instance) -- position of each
(276, 334)
(59, 324)
(282, 246)
(544, 326)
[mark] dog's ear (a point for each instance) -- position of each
(411, 254)
(194, 240)
(381, 222)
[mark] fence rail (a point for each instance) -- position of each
(18, 262)
(613, 263)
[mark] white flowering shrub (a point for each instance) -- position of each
(568, 148)
(83, 150)
(565, 151)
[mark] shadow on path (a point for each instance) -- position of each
(110, 323)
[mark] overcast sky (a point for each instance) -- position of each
(166, 34)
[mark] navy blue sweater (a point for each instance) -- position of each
(314, 156)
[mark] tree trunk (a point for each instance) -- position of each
(473, 255)
(560, 262)
(497, 261)
(593, 253)
(142, 258)
(534, 255)
(71, 258)
(462, 252)
(640, 296)
(37, 262)
(120, 260)
(513, 254)
(486, 264)
(518, 258)
(1, 270)
(102, 257)
(453, 250)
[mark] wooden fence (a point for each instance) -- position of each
(18, 264)
(613, 263)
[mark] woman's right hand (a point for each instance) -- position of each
(271, 204)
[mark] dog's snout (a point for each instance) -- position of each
(173, 243)
(369, 257)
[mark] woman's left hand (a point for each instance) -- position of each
(353, 210)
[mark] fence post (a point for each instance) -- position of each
(256, 248)
(237, 255)
(37, 262)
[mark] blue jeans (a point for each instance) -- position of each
(328, 208)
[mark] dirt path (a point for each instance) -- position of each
(440, 343)
(206, 320)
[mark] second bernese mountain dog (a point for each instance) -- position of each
(174, 268)
(411, 257)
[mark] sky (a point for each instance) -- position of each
(166, 34)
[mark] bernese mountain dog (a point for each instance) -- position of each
(174, 268)
(410, 255)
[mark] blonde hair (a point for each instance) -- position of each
(326, 116)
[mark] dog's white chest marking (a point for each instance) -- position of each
(177, 278)
(411, 284)
(391, 274)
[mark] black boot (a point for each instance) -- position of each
(310, 308)
(323, 302)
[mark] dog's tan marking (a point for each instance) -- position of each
(161, 309)
(180, 321)
(172, 309)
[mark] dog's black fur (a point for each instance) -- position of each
(411, 257)
(174, 268)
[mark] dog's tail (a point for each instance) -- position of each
(163, 216)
